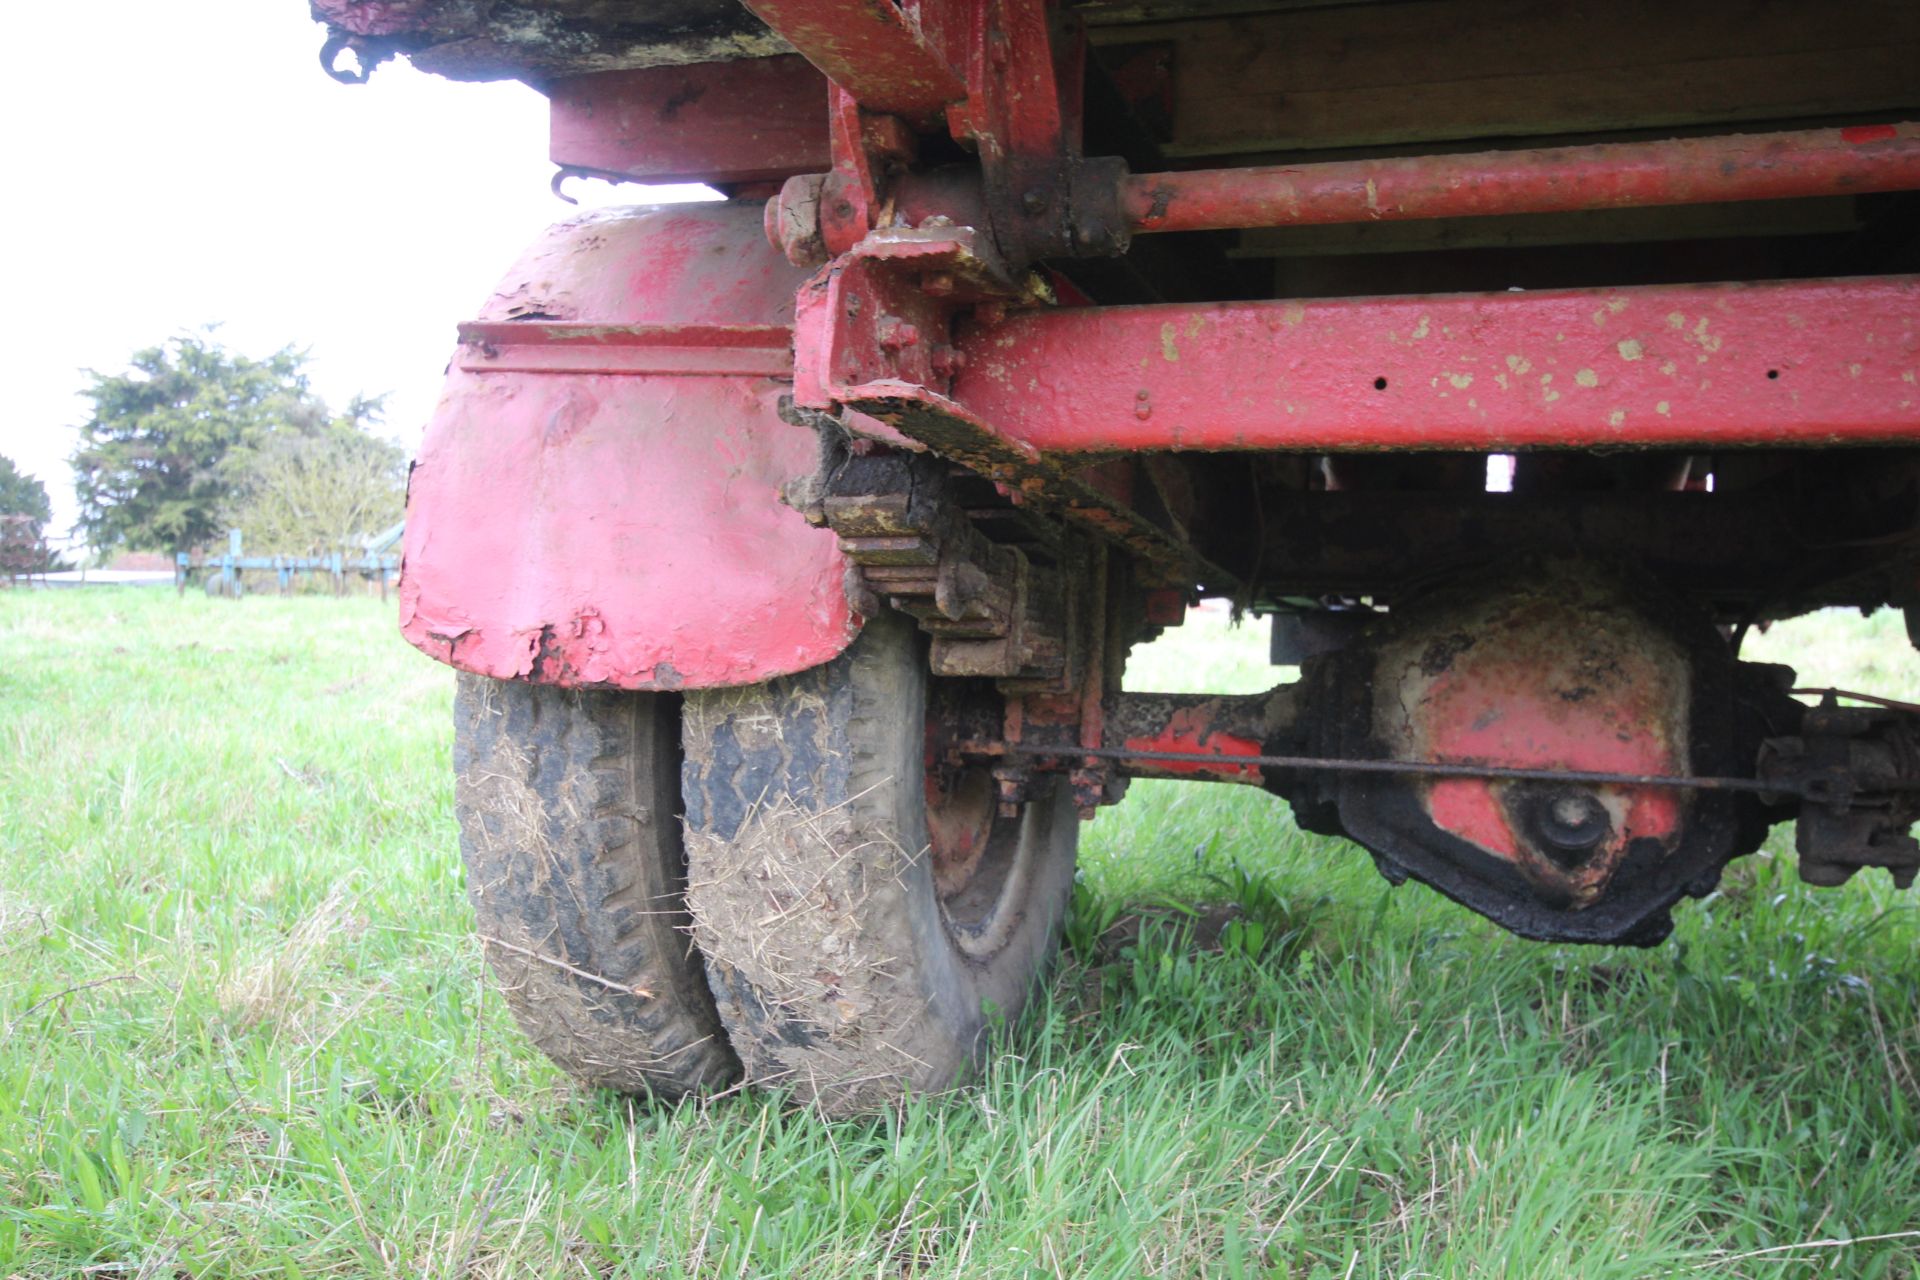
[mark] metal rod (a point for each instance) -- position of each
(1872, 698)
(1422, 768)
(1619, 175)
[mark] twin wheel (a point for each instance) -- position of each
(766, 883)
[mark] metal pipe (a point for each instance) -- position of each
(1405, 768)
(1765, 166)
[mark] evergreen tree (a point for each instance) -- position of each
(174, 446)
(22, 494)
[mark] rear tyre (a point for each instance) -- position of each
(853, 955)
(568, 804)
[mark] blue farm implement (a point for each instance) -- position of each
(225, 574)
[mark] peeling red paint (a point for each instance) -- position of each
(1194, 729)
(1559, 674)
(624, 528)
(1776, 363)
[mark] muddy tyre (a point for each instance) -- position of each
(569, 825)
(853, 955)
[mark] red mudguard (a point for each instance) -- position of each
(598, 497)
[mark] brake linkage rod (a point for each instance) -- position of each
(1419, 768)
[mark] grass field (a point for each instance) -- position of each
(244, 1032)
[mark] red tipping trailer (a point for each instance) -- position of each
(792, 546)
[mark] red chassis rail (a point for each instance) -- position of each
(1802, 363)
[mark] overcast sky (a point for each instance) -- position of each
(180, 164)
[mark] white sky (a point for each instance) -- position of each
(175, 165)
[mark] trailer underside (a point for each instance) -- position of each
(1517, 358)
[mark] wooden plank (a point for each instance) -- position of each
(1438, 70)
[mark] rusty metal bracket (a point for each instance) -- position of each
(990, 609)
(870, 338)
(1857, 772)
(949, 430)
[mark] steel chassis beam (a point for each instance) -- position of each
(1798, 363)
(888, 56)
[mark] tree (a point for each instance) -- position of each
(321, 491)
(163, 457)
(22, 494)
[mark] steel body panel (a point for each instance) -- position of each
(598, 502)
(1795, 363)
(682, 266)
(627, 531)
(1767, 166)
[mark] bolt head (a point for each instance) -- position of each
(1571, 822)
(793, 220)
(1574, 809)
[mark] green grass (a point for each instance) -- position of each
(244, 1032)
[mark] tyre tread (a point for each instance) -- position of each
(810, 890)
(573, 850)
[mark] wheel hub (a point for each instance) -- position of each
(960, 813)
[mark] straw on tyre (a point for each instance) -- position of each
(569, 826)
(838, 968)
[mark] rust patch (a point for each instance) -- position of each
(686, 97)
(1563, 673)
(1439, 654)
